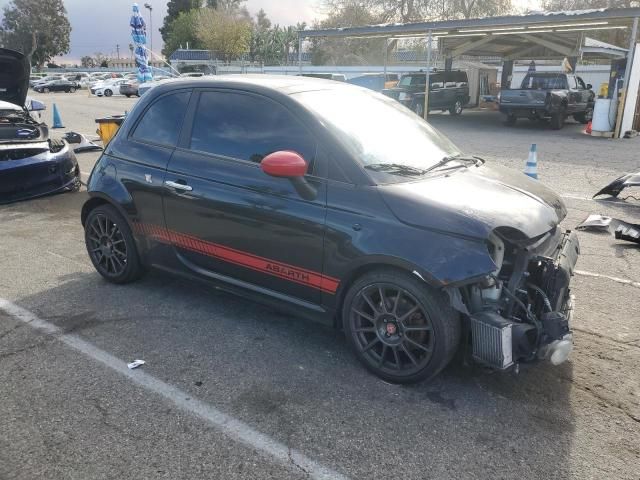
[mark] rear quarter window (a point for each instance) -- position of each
(162, 121)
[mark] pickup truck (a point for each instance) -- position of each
(448, 90)
(548, 96)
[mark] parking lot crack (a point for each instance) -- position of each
(293, 462)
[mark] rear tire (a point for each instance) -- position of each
(108, 93)
(128, 95)
(399, 328)
(72, 90)
(111, 246)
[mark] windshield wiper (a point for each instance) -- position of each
(395, 169)
(477, 161)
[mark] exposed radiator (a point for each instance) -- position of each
(492, 338)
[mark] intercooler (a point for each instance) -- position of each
(492, 338)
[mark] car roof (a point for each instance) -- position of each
(284, 84)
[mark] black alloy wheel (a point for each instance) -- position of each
(398, 328)
(111, 246)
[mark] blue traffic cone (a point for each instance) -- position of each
(57, 121)
(531, 168)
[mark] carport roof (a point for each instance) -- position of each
(534, 35)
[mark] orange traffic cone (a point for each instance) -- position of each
(588, 129)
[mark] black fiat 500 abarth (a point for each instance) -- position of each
(341, 203)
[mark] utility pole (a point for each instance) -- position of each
(150, 8)
(118, 51)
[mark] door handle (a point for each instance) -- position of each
(178, 186)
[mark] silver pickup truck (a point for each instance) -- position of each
(548, 96)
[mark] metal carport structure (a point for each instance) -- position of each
(541, 35)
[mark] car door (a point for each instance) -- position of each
(139, 155)
(436, 91)
(233, 220)
(575, 95)
(585, 93)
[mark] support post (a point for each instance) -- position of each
(386, 54)
(427, 84)
(627, 72)
(448, 64)
(507, 73)
(299, 53)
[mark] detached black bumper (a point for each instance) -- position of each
(39, 175)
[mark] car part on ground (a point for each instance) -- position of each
(290, 191)
(31, 164)
(619, 184)
(80, 143)
(548, 96)
(621, 230)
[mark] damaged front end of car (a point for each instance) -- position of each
(521, 312)
(31, 164)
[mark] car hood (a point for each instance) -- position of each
(476, 200)
(14, 77)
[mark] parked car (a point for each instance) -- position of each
(108, 87)
(56, 86)
(145, 87)
(548, 96)
(41, 80)
(294, 192)
(129, 88)
(448, 90)
(376, 81)
(31, 164)
(338, 77)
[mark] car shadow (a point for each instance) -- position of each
(294, 376)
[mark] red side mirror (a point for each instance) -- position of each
(284, 164)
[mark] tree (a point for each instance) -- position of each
(38, 28)
(183, 32)
(348, 51)
(87, 62)
(174, 9)
(227, 33)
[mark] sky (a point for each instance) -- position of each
(100, 25)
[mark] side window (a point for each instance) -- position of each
(571, 80)
(247, 127)
(162, 121)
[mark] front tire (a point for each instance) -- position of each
(111, 245)
(584, 117)
(510, 120)
(72, 90)
(108, 93)
(557, 121)
(456, 108)
(399, 328)
(45, 90)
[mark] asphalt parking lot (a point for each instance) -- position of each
(232, 389)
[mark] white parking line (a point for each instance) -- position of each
(623, 281)
(227, 424)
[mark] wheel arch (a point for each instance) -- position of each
(373, 263)
(98, 199)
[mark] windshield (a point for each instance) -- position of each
(378, 130)
(413, 80)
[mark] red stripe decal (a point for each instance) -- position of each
(277, 269)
